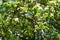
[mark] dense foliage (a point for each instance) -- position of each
(30, 19)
